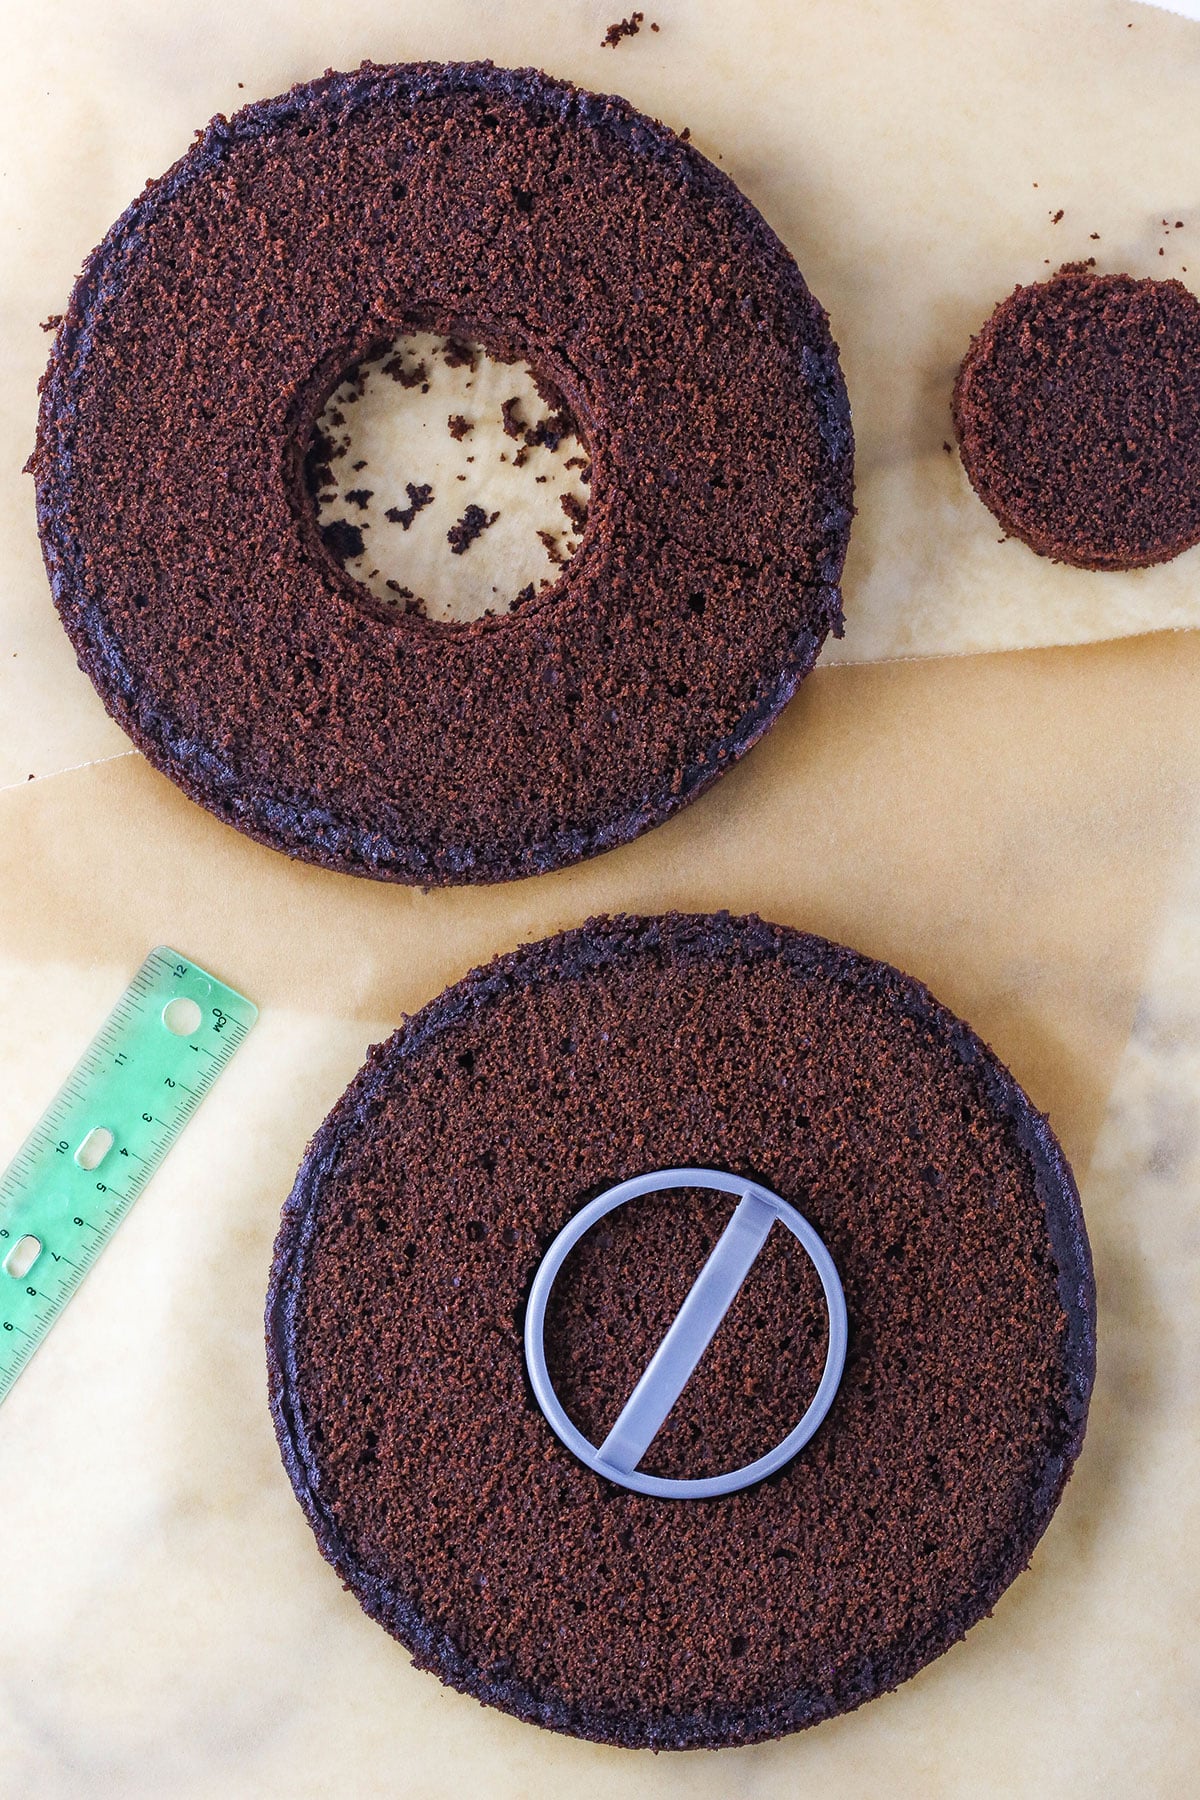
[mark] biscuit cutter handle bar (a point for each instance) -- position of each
(692, 1330)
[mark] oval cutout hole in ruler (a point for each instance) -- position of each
(94, 1148)
(73, 1180)
(22, 1257)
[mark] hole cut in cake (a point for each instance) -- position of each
(446, 480)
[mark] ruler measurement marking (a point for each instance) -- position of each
(133, 1053)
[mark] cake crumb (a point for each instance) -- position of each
(576, 511)
(510, 414)
(473, 524)
(458, 426)
(359, 497)
(344, 540)
(623, 28)
(419, 495)
(551, 431)
(1055, 217)
(946, 448)
(408, 378)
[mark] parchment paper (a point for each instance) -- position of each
(1021, 830)
(894, 144)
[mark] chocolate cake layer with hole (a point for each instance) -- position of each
(425, 1204)
(563, 227)
(1077, 409)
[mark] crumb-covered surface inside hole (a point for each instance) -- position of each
(446, 481)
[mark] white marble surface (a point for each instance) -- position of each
(1021, 830)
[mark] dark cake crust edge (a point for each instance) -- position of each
(314, 833)
(597, 943)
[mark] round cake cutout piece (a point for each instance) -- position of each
(422, 1212)
(546, 224)
(1077, 410)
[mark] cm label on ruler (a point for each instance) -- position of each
(103, 1135)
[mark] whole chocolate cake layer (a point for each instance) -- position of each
(407, 1425)
(1077, 409)
(198, 349)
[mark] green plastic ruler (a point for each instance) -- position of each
(98, 1143)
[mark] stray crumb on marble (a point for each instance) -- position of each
(623, 28)
(473, 524)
